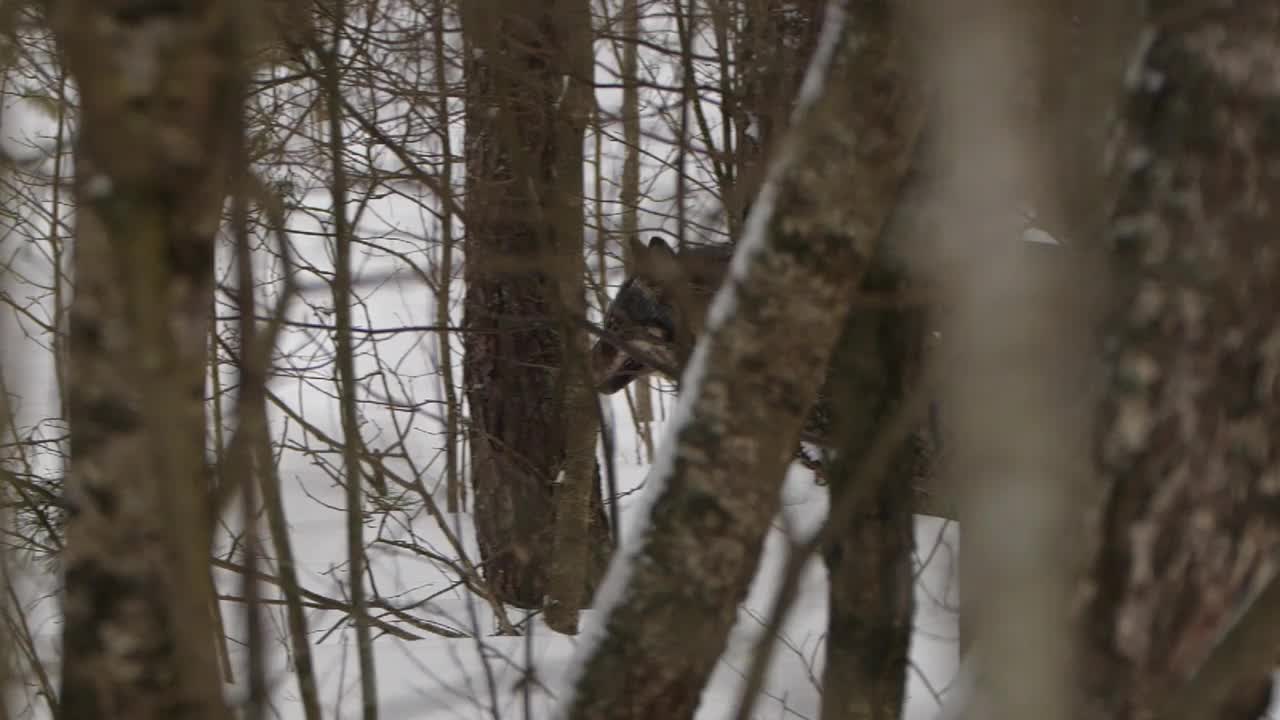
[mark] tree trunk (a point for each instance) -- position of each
(629, 193)
(160, 90)
(514, 348)
(760, 364)
(455, 495)
(774, 46)
(576, 562)
(870, 600)
(1188, 529)
(1041, 108)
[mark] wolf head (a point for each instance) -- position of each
(642, 316)
(657, 312)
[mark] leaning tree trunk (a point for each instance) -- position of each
(870, 599)
(759, 367)
(514, 351)
(160, 91)
(1188, 439)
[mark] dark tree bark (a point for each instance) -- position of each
(869, 566)
(762, 365)
(576, 562)
(1187, 443)
(160, 91)
(774, 46)
(516, 71)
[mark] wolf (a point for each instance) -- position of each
(656, 317)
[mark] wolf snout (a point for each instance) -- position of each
(612, 369)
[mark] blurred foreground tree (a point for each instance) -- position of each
(161, 87)
(1182, 528)
(1188, 442)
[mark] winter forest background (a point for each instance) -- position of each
(297, 402)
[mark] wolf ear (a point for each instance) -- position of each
(657, 244)
(655, 261)
(656, 249)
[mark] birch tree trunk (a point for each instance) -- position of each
(759, 367)
(160, 90)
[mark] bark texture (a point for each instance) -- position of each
(1190, 524)
(517, 75)
(870, 598)
(762, 367)
(774, 46)
(575, 560)
(160, 96)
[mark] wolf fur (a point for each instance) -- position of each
(658, 312)
(658, 315)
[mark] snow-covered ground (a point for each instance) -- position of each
(464, 678)
(436, 678)
(467, 678)
(482, 675)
